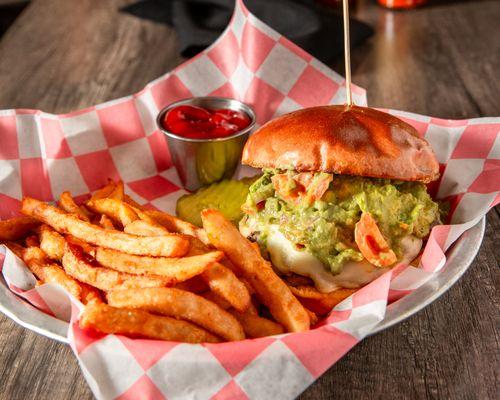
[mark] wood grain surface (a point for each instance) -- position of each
(442, 60)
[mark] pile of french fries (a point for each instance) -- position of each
(148, 274)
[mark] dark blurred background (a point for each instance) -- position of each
(315, 25)
(199, 22)
(9, 11)
(306, 22)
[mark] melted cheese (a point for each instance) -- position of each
(287, 259)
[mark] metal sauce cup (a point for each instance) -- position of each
(200, 162)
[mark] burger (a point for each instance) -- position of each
(343, 197)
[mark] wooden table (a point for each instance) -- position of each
(442, 60)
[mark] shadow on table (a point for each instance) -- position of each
(9, 13)
(198, 23)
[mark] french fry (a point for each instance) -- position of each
(167, 246)
(118, 191)
(255, 246)
(320, 303)
(90, 294)
(105, 191)
(145, 228)
(249, 287)
(255, 326)
(219, 278)
(48, 272)
(194, 285)
(269, 288)
(147, 218)
(298, 280)
(113, 190)
(32, 241)
(146, 223)
(129, 200)
(174, 224)
(115, 209)
(215, 298)
(105, 222)
(51, 242)
(173, 269)
(17, 228)
(180, 304)
(313, 317)
(106, 319)
(67, 203)
(16, 248)
(223, 303)
(161, 276)
(223, 281)
(310, 292)
(80, 266)
(87, 248)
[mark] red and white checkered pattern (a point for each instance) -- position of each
(119, 139)
(42, 154)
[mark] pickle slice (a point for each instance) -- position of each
(211, 162)
(226, 196)
(217, 160)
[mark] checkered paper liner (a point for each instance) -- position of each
(42, 154)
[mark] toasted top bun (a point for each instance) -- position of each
(343, 140)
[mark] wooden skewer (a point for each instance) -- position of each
(347, 53)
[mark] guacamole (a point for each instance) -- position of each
(317, 212)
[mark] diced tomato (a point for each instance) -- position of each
(304, 178)
(307, 189)
(261, 205)
(371, 242)
(317, 188)
(281, 183)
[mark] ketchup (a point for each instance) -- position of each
(200, 123)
